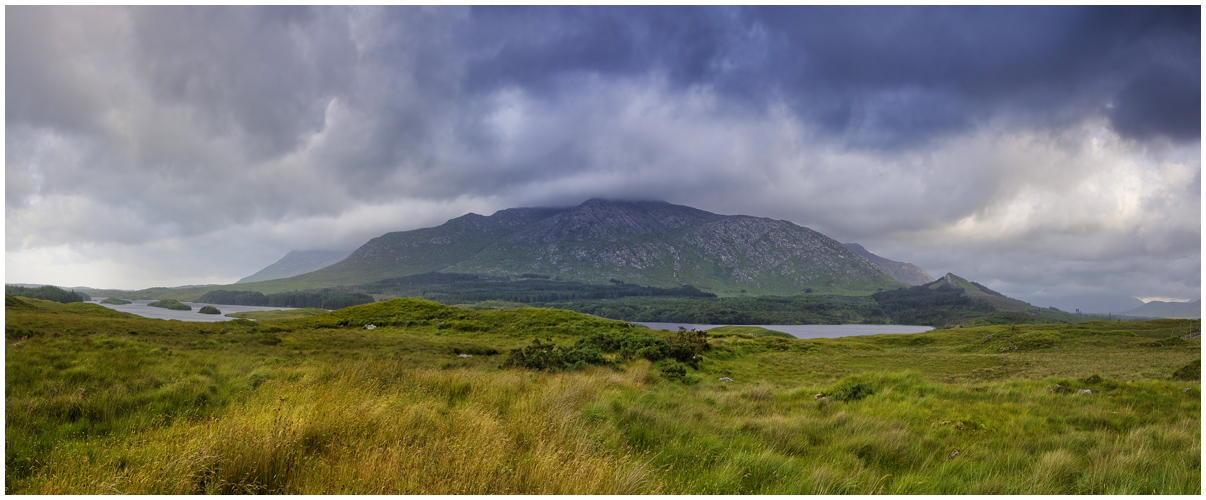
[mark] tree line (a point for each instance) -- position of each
(51, 293)
(452, 288)
(323, 299)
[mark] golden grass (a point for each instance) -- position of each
(417, 431)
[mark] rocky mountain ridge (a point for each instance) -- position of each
(641, 242)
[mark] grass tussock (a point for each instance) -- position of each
(433, 431)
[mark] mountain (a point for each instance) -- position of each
(639, 242)
(978, 291)
(952, 300)
(1159, 309)
(295, 263)
(406, 253)
(901, 271)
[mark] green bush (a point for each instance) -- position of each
(549, 357)
(850, 390)
(475, 350)
(1167, 342)
(1191, 371)
(672, 369)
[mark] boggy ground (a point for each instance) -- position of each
(102, 402)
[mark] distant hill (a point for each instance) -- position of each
(1159, 309)
(978, 291)
(901, 271)
(650, 243)
(952, 300)
(295, 263)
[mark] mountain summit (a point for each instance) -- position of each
(640, 242)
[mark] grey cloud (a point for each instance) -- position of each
(881, 77)
(264, 74)
(870, 124)
(1163, 101)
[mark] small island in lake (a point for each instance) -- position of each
(172, 304)
(115, 301)
(209, 310)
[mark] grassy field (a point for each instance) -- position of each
(103, 402)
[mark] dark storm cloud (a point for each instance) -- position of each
(881, 76)
(537, 47)
(923, 128)
(1164, 101)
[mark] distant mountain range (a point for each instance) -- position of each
(650, 243)
(295, 263)
(1159, 309)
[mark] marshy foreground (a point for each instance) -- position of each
(438, 399)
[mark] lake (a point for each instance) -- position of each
(141, 308)
(807, 331)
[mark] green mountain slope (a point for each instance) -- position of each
(602, 241)
(660, 244)
(978, 291)
(951, 300)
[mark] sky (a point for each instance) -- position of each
(1045, 152)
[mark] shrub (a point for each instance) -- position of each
(475, 350)
(850, 390)
(672, 369)
(1168, 342)
(1191, 371)
(537, 356)
(549, 357)
(578, 358)
(643, 345)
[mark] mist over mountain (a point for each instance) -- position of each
(901, 271)
(295, 263)
(640, 242)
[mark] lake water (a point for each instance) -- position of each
(808, 331)
(141, 308)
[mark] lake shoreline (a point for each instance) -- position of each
(140, 308)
